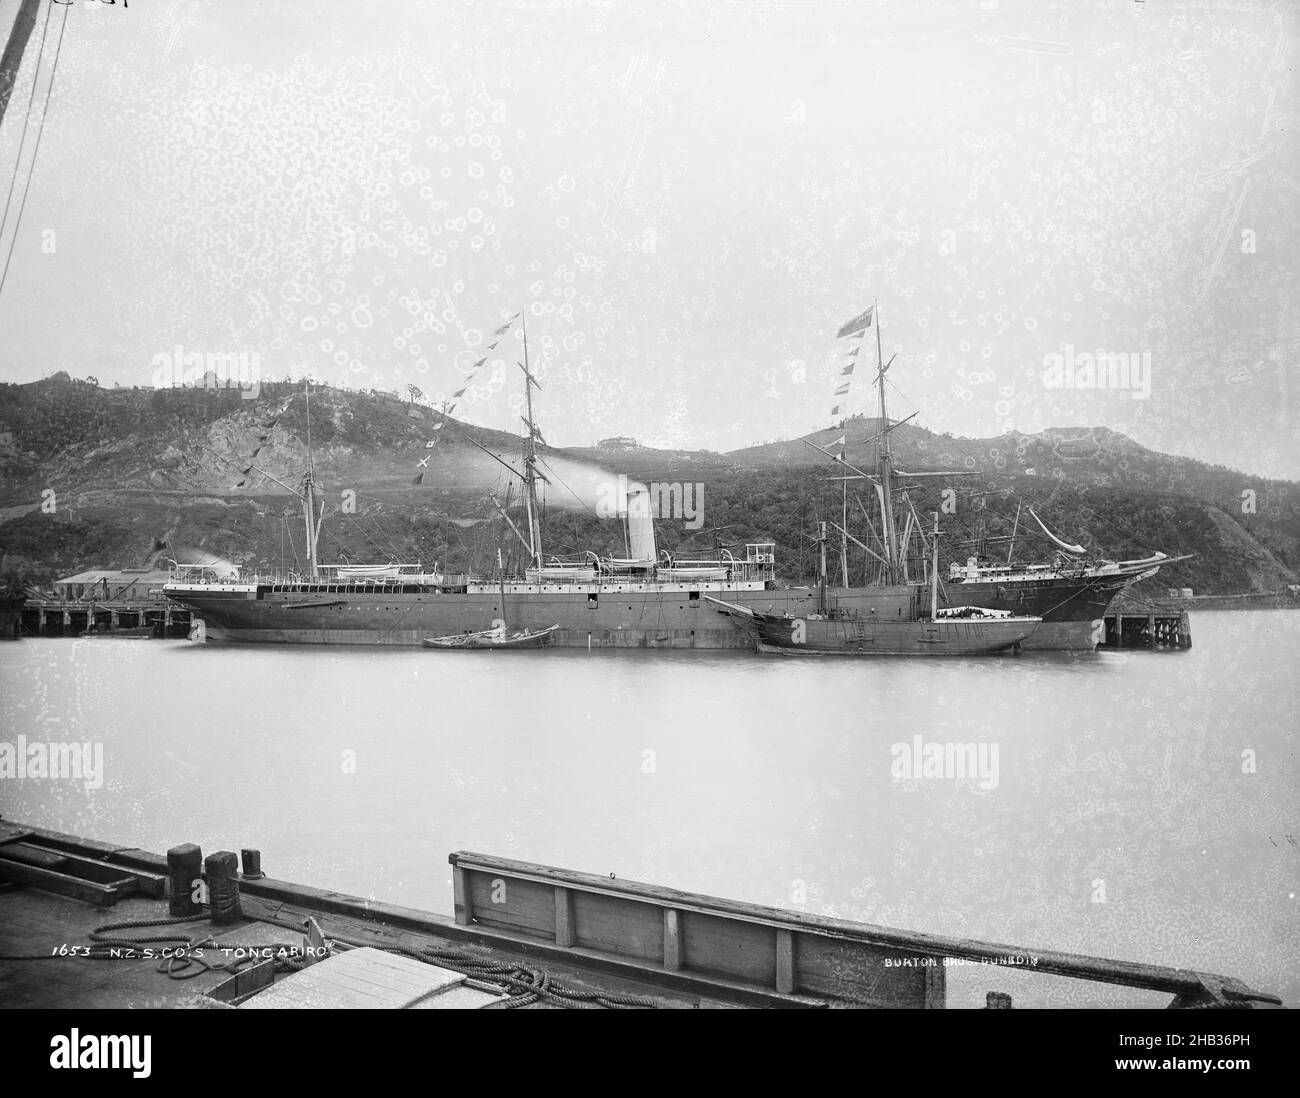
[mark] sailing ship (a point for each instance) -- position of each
(644, 599)
(1070, 594)
(942, 636)
(954, 631)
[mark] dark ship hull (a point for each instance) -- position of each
(813, 637)
(612, 614)
(1072, 609)
(975, 633)
(607, 615)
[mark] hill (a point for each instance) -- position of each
(96, 477)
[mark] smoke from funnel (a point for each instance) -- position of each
(574, 485)
(201, 558)
(580, 485)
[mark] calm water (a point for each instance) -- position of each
(1121, 822)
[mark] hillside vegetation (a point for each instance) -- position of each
(93, 477)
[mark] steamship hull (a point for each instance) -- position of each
(609, 615)
(612, 615)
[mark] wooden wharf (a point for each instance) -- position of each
(561, 937)
(1135, 622)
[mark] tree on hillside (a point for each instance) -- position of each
(13, 589)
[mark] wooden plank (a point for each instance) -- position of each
(564, 931)
(93, 848)
(785, 981)
(850, 972)
(461, 997)
(32, 855)
(464, 906)
(526, 906)
(738, 950)
(91, 869)
(367, 978)
(10, 833)
(672, 940)
(384, 984)
(644, 974)
(245, 982)
(102, 893)
(618, 925)
(936, 986)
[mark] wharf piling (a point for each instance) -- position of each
(1145, 623)
(74, 619)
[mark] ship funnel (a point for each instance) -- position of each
(640, 524)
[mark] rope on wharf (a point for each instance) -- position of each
(526, 985)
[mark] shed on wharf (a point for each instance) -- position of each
(103, 602)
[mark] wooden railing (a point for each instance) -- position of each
(805, 957)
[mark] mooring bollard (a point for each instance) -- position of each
(222, 870)
(184, 874)
(252, 863)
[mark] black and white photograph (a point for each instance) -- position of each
(650, 506)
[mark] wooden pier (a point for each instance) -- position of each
(72, 619)
(523, 934)
(105, 602)
(1133, 622)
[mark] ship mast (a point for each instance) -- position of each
(934, 570)
(821, 579)
(530, 457)
(885, 466)
(844, 522)
(309, 495)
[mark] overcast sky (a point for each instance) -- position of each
(689, 199)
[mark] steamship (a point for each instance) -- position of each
(648, 599)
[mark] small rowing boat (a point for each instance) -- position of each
(494, 638)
